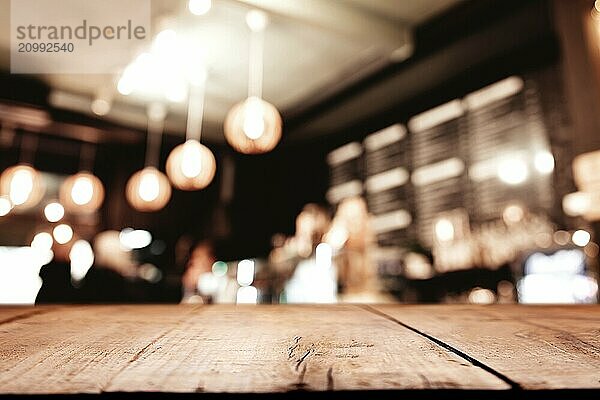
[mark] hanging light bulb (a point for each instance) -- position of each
(82, 193)
(191, 166)
(148, 190)
(254, 122)
(23, 185)
(257, 20)
(254, 126)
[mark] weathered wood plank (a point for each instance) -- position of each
(536, 346)
(224, 348)
(13, 313)
(78, 349)
(273, 349)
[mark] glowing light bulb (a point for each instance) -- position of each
(253, 126)
(581, 237)
(544, 162)
(444, 230)
(191, 162)
(191, 166)
(82, 191)
(21, 186)
(54, 212)
(257, 20)
(5, 206)
(254, 123)
(149, 187)
(513, 171)
(148, 190)
(199, 7)
(62, 233)
(125, 85)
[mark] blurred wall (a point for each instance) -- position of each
(579, 35)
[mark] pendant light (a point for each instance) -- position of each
(253, 126)
(191, 165)
(148, 189)
(22, 184)
(83, 192)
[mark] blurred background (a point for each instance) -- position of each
(265, 151)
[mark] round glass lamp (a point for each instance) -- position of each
(253, 126)
(148, 190)
(23, 185)
(191, 166)
(82, 193)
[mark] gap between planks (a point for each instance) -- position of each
(514, 385)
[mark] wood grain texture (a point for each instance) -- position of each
(13, 313)
(98, 349)
(538, 347)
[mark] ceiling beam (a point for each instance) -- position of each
(391, 38)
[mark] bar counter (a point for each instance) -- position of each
(113, 350)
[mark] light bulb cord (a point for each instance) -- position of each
(255, 73)
(195, 112)
(154, 139)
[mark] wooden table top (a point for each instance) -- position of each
(291, 349)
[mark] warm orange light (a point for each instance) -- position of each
(253, 126)
(82, 193)
(191, 166)
(23, 185)
(585, 167)
(148, 190)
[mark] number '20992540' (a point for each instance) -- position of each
(45, 47)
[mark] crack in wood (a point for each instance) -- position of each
(301, 359)
(330, 378)
(293, 347)
(139, 354)
(514, 385)
(300, 385)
